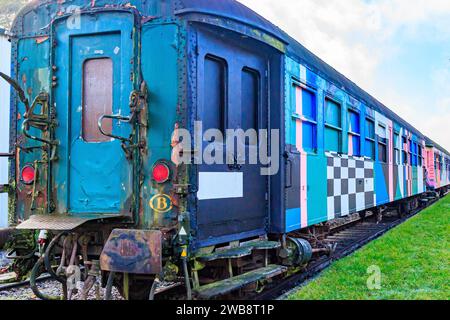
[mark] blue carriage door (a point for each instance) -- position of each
(92, 174)
(232, 94)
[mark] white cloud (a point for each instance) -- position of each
(357, 36)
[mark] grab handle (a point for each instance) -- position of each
(113, 117)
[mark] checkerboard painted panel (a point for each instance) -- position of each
(350, 185)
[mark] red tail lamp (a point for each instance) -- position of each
(28, 174)
(161, 172)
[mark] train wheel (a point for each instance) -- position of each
(297, 252)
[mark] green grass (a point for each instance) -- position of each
(413, 259)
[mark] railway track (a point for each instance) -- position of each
(349, 239)
(21, 284)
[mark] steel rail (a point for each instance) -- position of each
(21, 284)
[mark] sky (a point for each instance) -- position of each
(396, 50)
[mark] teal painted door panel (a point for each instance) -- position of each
(94, 63)
(94, 183)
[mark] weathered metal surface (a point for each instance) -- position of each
(56, 222)
(92, 174)
(297, 252)
(239, 252)
(133, 251)
(228, 285)
(224, 213)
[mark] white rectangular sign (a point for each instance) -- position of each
(220, 185)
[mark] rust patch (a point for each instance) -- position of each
(133, 251)
(39, 40)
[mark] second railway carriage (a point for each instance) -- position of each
(103, 90)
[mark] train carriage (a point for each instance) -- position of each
(105, 92)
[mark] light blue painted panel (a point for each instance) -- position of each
(5, 63)
(293, 217)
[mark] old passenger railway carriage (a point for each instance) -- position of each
(101, 87)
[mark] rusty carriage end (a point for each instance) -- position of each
(133, 252)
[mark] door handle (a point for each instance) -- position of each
(291, 167)
(117, 117)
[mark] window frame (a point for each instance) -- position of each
(397, 154)
(257, 116)
(295, 116)
(224, 112)
(371, 140)
(384, 144)
(415, 151)
(352, 134)
(410, 152)
(340, 130)
(405, 157)
(421, 158)
(95, 136)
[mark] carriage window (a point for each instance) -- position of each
(97, 98)
(250, 99)
(382, 144)
(306, 102)
(411, 153)
(404, 148)
(396, 149)
(370, 139)
(354, 134)
(214, 94)
(415, 160)
(421, 160)
(333, 126)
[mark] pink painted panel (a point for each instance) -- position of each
(303, 158)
